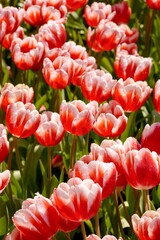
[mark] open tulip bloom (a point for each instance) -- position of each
(79, 120)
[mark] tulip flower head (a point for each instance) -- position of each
(78, 117)
(4, 180)
(4, 143)
(122, 12)
(73, 5)
(105, 174)
(35, 219)
(78, 200)
(50, 130)
(141, 168)
(150, 137)
(22, 120)
(97, 85)
(131, 95)
(111, 120)
(27, 53)
(11, 94)
(154, 4)
(96, 12)
(146, 227)
(156, 96)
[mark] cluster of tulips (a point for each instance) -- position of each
(79, 144)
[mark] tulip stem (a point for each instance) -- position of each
(17, 155)
(118, 213)
(83, 231)
(49, 164)
(97, 228)
(10, 155)
(146, 200)
(125, 209)
(73, 150)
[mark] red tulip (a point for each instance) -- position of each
(35, 219)
(50, 130)
(8, 38)
(131, 95)
(75, 51)
(52, 34)
(39, 12)
(11, 94)
(15, 235)
(78, 200)
(111, 120)
(126, 49)
(59, 73)
(27, 53)
(131, 143)
(10, 19)
(4, 143)
(105, 174)
(123, 12)
(156, 96)
(130, 35)
(97, 85)
(73, 5)
(78, 117)
(150, 137)
(113, 153)
(22, 120)
(141, 168)
(106, 37)
(154, 4)
(4, 180)
(106, 237)
(96, 12)
(132, 66)
(146, 227)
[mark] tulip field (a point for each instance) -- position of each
(79, 120)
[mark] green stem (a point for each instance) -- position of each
(17, 155)
(149, 23)
(83, 231)
(125, 209)
(10, 155)
(97, 228)
(146, 200)
(73, 151)
(67, 235)
(49, 164)
(118, 213)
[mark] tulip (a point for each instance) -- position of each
(50, 130)
(62, 71)
(75, 51)
(27, 53)
(154, 4)
(131, 95)
(131, 143)
(35, 219)
(10, 19)
(97, 85)
(146, 227)
(8, 38)
(40, 12)
(113, 153)
(106, 237)
(156, 96)
(105, 174)
(132, 66)
(96, 12)
(22, 120)
(141, 168)
(15, 235)
(78, 117)
(126, 49)
(4, 180)
(111, 120)
(52, 34)
(12, 94)
(4, 143)
(130, 35)
(123, 12)
(78, 200)
(73, 5)
(106, 37)
(150, 137)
